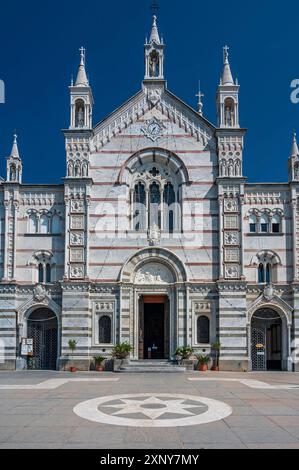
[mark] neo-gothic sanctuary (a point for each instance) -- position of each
(154, 238)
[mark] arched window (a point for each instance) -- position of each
(48, 273)
(203, 330)
(253, 223)
(105, 330)
(268, 273)
(56, 224)
(155, 202)
(276, 223)
(44, 224)
(33, 224)
(229, 112)
(139, 207)
(261, 274)
(169, 204)
(41, 273)
(80, 115)
(264, 223)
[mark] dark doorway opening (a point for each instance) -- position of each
(42, 328)
(154, 331)
(266, 341)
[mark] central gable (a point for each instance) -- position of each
(157, 115)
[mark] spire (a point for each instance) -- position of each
(227, 78)
(15, 150)
(295, 150)
(155, 33)
(82, 79)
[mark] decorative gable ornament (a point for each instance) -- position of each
(269, 292)
(153, 129)
(154, 96)
(39, 293)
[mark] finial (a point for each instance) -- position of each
(82, 55)
(15, 150)
(226, 55)
(200, 95)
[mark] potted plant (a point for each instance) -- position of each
(72, 347)
(183, 355)
(216, 347)
(98, 360)
(203, 362)
(120, 354)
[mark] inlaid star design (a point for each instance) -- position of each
(153, 407)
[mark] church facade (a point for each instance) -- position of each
(154, 238)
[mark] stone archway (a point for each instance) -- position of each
(269, 339)
(43, 330)
(152, 284)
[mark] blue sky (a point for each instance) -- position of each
(40, 42)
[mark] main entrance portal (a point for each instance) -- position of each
(154, 328)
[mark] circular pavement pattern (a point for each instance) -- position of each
(153, 410)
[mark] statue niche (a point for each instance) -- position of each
(154, 64)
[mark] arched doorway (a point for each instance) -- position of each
(266, 340)
(42, 328)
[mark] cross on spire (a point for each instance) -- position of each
(226, 54)
(82, 53)
(200, 95)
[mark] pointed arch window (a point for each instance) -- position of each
(253, 223)
(276, 223)
(155, 205)
(79, 113)
(139, 207)
(264, 221)
(169, 203)
(44, 224)
(33, 224)
(105, 330)
(41, 273)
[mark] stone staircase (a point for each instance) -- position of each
(152, 367)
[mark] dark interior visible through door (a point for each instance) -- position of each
(154, 331)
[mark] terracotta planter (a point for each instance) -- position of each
(215, 369)
(203, 368)
(73, 370)
(99, 368)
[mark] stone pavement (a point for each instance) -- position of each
(180, 411)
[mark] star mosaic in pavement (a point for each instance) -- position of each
(153, 407)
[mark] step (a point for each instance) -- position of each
(153, 370)
(152, 366)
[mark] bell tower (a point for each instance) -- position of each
(228, 96)
(81, 98)
(154, 55)
(14, 164)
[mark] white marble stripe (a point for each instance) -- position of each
(53, 384)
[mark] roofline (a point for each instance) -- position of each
(192, 110)
(116, 110)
